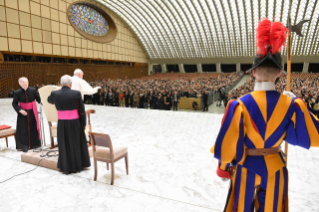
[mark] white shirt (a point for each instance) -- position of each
(264, 86)
(82, 86)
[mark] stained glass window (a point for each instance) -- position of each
(88, 20)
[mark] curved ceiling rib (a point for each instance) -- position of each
(175, 21)
(179, 29)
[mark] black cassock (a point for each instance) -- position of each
(27, 135)
(73, 150)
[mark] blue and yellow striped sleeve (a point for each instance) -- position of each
(304, 127)
(229, 145)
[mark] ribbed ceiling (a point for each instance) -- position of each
(212, 28)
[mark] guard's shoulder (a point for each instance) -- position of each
(245, 96)
(298, 100)
(232, 103)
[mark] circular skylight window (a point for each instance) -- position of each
(92, 22)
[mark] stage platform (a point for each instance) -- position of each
(171, 168)
(34, 157)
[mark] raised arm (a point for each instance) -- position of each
(51, 98)
(87, 89)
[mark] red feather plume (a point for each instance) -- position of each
(263, 37)
(272, 35)
(278, 36)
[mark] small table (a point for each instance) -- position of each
(6, 133)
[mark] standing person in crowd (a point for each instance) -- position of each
(121, 99)
(97, 97)
(154, 99)
(79, 84)
(145, 100)
(116, 98)
(28, 133)
(151, 99)
(141, 100)
(168, 102)
(11, 94)
(160, 102)
(73, 150)
(205, 100)
(127, 98)
(175, 101)
(106, 99)
(136, 99)
(110, 98)
(131, 98)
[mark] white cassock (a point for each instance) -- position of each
(82, 86)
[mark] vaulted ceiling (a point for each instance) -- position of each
(184, 29)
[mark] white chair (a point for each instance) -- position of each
(50, 111)
(52, 114)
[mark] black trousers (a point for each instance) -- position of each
(175, 105)
(205, 106)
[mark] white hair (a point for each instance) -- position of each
(66, 80)
(23, 79)
(78, 71)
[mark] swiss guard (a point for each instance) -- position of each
(254, 126)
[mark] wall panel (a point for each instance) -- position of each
(3, 44)
(47, 49)
(35, 8)
(12, 16)
(3, 27)
(38, 47)
(46, 22)
(26, 33)
(15, 45)
(13, 31)
(47, 37)
(27, 46)
(36, 21)
(12, 4)
(25, 19)
(37, 34)
(54, 14)
(2, 14)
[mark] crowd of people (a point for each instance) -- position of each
(163, 91)
(160, 91)
(303, 85)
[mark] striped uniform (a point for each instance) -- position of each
(262, 119)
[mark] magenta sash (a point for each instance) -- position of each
(68, 114)
(32, 106)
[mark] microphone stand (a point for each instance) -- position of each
(42, 131)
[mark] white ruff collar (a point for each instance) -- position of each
(264, 86)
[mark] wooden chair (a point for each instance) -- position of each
(107, 153)
(6, 133)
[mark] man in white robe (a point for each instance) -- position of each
(79, 84)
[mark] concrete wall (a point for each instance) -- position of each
(42, 27)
